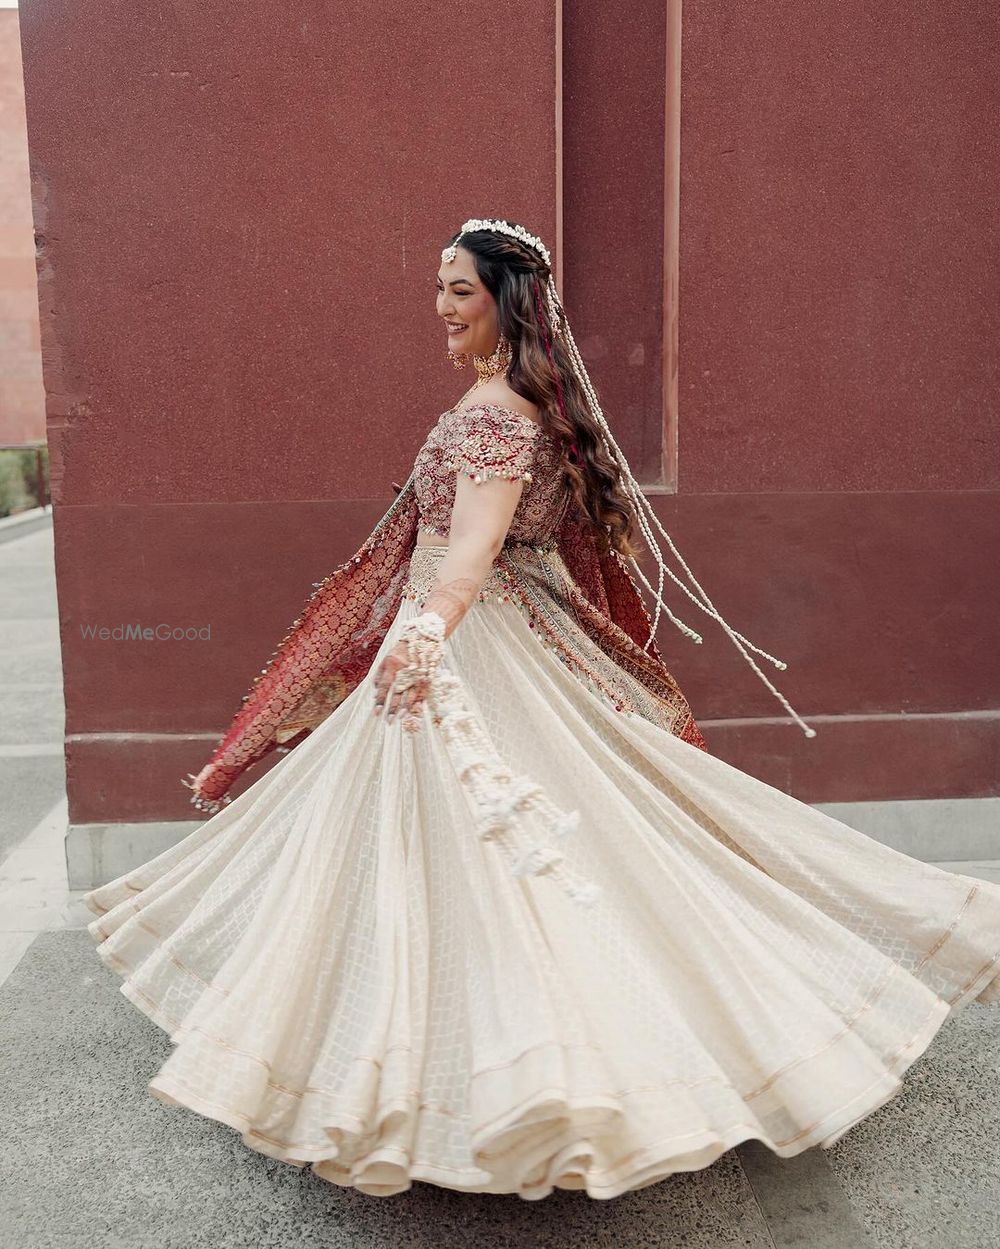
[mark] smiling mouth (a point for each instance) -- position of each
(456, 329)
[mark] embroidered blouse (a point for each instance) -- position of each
(487, 440)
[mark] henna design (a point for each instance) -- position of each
(452, 599)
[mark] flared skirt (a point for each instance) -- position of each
(353, 980)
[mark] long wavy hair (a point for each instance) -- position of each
(541, 371)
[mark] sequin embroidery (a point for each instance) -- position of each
(484, 441)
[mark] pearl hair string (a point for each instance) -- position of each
(643, 508)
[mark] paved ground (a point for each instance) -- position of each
(87, 1158)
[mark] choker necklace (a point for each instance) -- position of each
(487, 367)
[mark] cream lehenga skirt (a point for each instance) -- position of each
(352, 979)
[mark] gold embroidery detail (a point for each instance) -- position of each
(486, 441)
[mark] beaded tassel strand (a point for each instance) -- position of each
(643, 507)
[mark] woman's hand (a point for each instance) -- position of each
(200, 779)
(405, 701)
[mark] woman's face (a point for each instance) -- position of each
(467, 307)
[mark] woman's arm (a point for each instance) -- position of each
(480, 518)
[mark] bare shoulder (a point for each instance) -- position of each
(498, 391)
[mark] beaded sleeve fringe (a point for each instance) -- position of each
(476, 470)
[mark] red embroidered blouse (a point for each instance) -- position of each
(487, 440)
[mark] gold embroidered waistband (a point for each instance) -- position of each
(426, 560)
(424, 564)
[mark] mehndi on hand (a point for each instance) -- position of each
(404, 677)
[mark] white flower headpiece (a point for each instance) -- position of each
(643, 508)
(497, 227)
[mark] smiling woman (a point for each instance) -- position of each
(499, 921)
(476, 329)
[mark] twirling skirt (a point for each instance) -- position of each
(354, 979)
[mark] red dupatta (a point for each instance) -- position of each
(331, 645)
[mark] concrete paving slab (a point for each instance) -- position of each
(12, 948)
(29, 653)
(33, 712)
(923, 1172)
(31, 785)
(29, 583)
(16, 528)
(984, 870)
(801, 1200)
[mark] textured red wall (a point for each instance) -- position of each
(240, 216)
(839, 433)
(22, 400)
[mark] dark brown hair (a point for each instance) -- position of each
(516, 276)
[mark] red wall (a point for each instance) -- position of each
(241, 214)
(22, 399)
(839, 435)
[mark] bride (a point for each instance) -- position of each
(498, 921)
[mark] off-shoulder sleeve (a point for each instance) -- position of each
(493, 443)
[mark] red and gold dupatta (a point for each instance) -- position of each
(331, 645)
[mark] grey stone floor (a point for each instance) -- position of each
(88, 1158)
